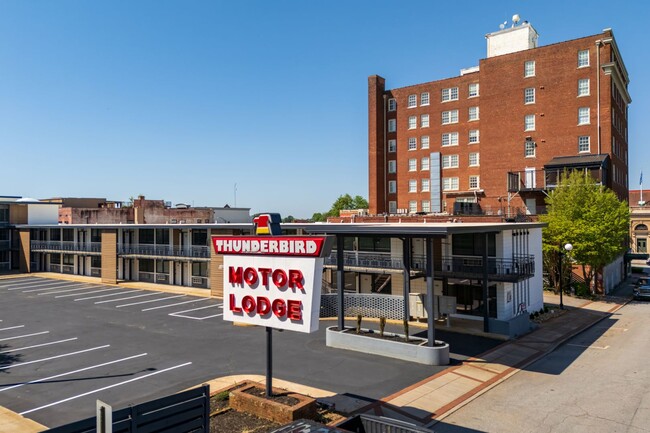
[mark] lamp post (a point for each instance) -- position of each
(567, 247)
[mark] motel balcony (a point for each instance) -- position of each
(194, 252)
(499, 269)
(88, 248)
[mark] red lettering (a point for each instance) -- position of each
(295, 279)
(294, 310)
(263, 306)
(248, 304)
(279, 278)
(265, 275)
(235, 275)
(279, 308)
(233, 306)
(250, 276)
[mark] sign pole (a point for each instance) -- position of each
(269, 361)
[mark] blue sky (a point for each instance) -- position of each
(181, 100)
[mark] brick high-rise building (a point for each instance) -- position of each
(494, 139)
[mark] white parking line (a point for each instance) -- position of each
(151, 300)
(195, 309)
(179, 303)
(12, 327)
(38, 345)
(179, 313)
(72, 372)
(20, 364)
(128, 297)
(51, 288)
(89, 293)
(106, 296)
(23, 336)
(39, 285)
(104, 388)
(18, 281)
(78, 289)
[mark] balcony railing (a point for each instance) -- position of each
(5, 245)
(72, 247)
(499, 269)
(545, 179)
(164, 251)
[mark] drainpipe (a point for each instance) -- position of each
(598, 44)
(385, 159)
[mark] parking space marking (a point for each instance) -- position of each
(128, 297)
(20, 364)
(178, 303)
(106, 296)
(180, 313)
(104, 388)
(51, 288)
(39, 345)
(25, 282)
(66, 291)
(12, 327)
(88, 293)
(23, 336)
(71, 372)
(39, 284)
(150, 300)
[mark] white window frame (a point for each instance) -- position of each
(425, 185)
(474, 136)
(413, 143)
(472, 113)
(450, 184)
(424, 142)
(472, 90)
(392, 146)
(413, 185)
(583, 87)
(450, 94)
(474, 159)
(529, 68)
(392, 125)
(413, 122)
(584, 144)
(583, 58)
(474, 182)
(413, 206)
(412, 101)
(392, 187)
(450, 139)
(392, 207)
(584, 116)
(449, 117)
(392, 166)
(424, 98)
(413, 164)
(529, 95)
(392, 104)
(425, 163)
(529, 122)
(426, 206)
(424, 120)
(529, 149)
(449, 161)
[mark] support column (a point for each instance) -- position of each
(486, 304)
(109, 256)
(406, 261)
(340, 281)
(25, 250)
(431, 330)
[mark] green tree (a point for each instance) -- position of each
(347, 202)
(288, 219)
(318, 217)
(588, 216)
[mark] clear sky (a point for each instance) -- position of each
(183, 100)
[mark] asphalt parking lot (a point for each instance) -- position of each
(64, 344)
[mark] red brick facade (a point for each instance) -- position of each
(502, 136)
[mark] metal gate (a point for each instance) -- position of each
(184, 412)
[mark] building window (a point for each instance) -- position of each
(583, 58)
(583, 116)
(449, 117)
(426, 206)
(392, 146)
(392, 104)
(424, 164)
(424, 121)
(450, 139)
(474, 182)
(529, 149)
(392, 187)
(413, 122)
(424, 98)
(449, 161)
(583, 87)
(425, 185)
(392, 166)
(474, 136)
(413, 164)
(413, 143)
(392, 207)
(529, 68)
(473, 90)
(583, 144)
(450, 184)
(529, 122)
(473, 113)
(474, 159)
(412, 101)
(413, 206)
(392, 125)
(450, 94)
(529, 95)
(424, 142)
(413, 185)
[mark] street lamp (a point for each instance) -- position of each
(567, 247)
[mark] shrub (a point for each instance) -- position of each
(582, 290)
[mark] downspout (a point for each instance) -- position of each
(385, 160)
(598, 44)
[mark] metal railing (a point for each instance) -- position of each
(5, 245)
(82, 247)
(164, 251)
(545, 179)
(362, 259)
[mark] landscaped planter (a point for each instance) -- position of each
(419, 352)
(282, 413)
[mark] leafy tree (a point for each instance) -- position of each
(288, 219)
(318, 217)
(588, 216)
(347, 202)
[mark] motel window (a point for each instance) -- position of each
(392, 207)
(529, 122)
(68, 235)
(450, 94)
(529, 95)
(95, 235)
(473, 244)
(583, 144)
(426, 206)
(450, 184)
(529, 69)
(146, 236)
(424, 121)
(162, 266)
(583, 116)
(199, 269)
(424, 164)
(392, 146)
(449, 117)
(529, 149)
(95, 261)
(424, 98)
(449, 161)
(200, 237)
(392, 187)
(450, 139)
(146, 265)
(55, 259)
(474, 136)
(424, 142)
(473, 113)
(392, 104)
(413, 185)
(413, 164)
(474, 159)
(68, 259)
(413, 122)
(392, 166)
(583, 87)
(392, 125)
(55, 234)
(412, 101)
(413, 206)
(474, 182)
(425, 185)
(413, 143)
(473, 90)
(583, 58)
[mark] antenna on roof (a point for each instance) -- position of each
(515, 19)
(503, 26)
